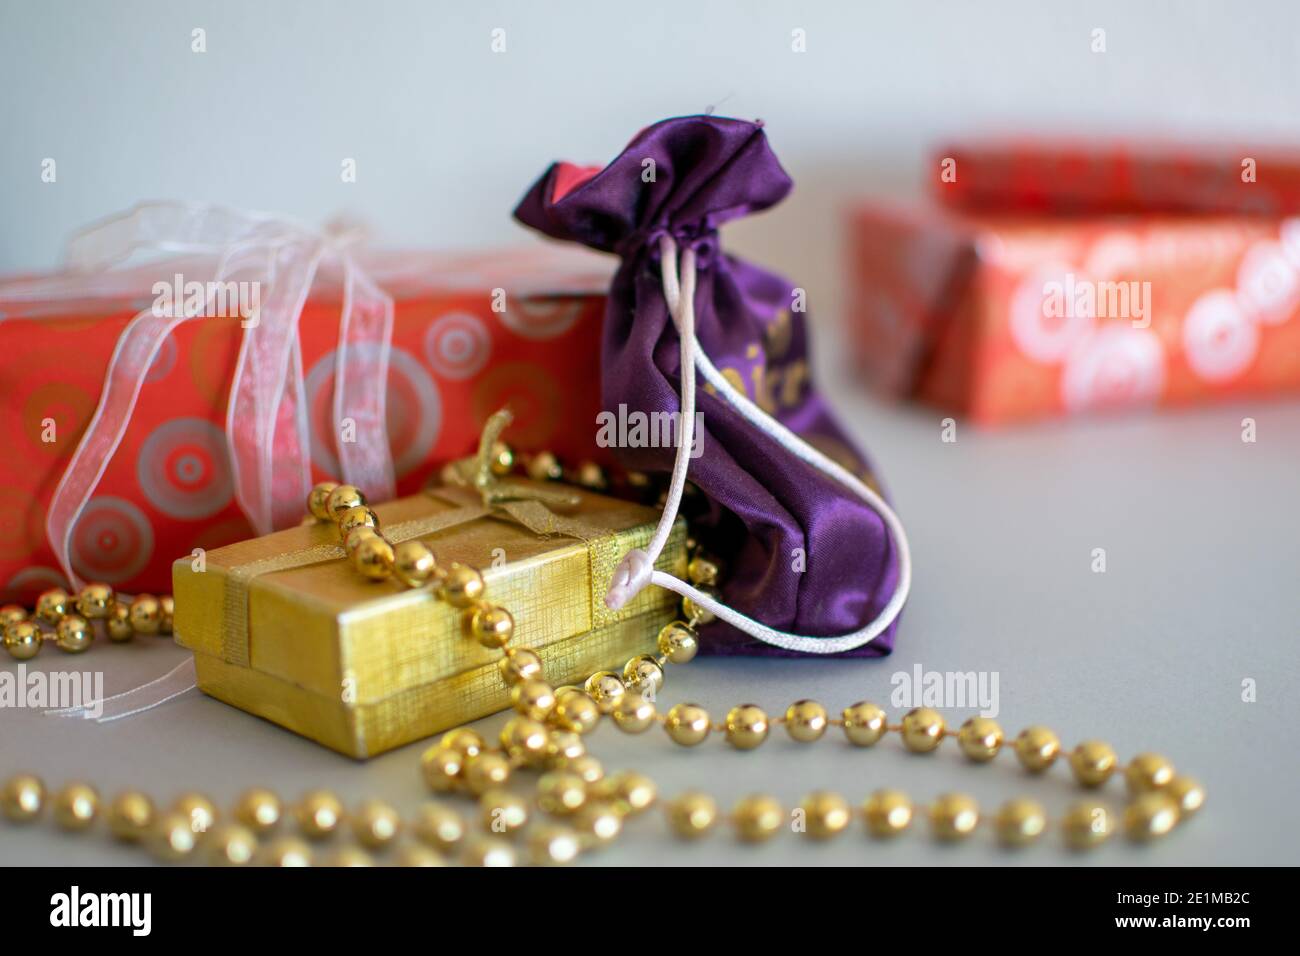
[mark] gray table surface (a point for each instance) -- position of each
(1202, 537)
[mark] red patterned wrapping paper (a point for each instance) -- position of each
(949, 308)
(1087, 177)
(168, 488)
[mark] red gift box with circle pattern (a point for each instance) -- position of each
(168, 489)
(950, 309)
(1056, 279)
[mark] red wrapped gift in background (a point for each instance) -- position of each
(1004, 307)
(470, 334)
(1091, 178)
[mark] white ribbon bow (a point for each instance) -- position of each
(267, 428)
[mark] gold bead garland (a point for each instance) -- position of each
(67, 621)
(587, 808)
(629, 701)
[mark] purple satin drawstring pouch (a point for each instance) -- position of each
(809, 563)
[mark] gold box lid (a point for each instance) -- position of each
(289, 605)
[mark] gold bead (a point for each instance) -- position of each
(358, 517)
(356, 537)
(199, 809)
(491, 626)
(678, 642)
(552, 845)
(485, 771)
(923, 728)
(414, 563)
(606, 689)
(118, 623)
(954, 816)
(533, 699)
(75, 806)
(1093, 762)
(634, 713)
(94, 601)
(442, 767)
(643, 675)
(747, 726)
(630, 792)
(524, 739)
(258, 809)
(600, 820)
(145, 614)
(864, 723)
(560, 793)
(171, 838)
(438, 826)
(468, 743)
(502, 460)
(12, 614)
(23, 797)
(341, 498)
(349, 856)
(544, 466)
(806, 720)
(563, 746)
(1187, 793)
(695, 614)
(980, 739)
(375, 824)
(702, 571)
(503, 812)
(575, 711)
(373, 558)
(518, 665)
(591, 475)
(130, 816)
(231, 845)
(1150, 815)
(825, 814)
(286, 851)
(687, 724)
(1147, 772)
(488, 851)
(167, 614)
(22, 640)
(319, 814)
(318, 500)
(887, 813)
(74, 634)
(52, 605)
(1037, 748)
(1021, 821)
(463, 585)
(692, 815)
(757, 818)
(413, 854)
(1086, 825)
(587, 767)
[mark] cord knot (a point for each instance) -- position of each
(631, 575)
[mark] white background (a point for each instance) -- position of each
(448, 135)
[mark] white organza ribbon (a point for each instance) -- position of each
(181, 679)
(267, 427)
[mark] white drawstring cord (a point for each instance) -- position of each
(637, 569)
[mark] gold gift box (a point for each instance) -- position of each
(283, 627)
